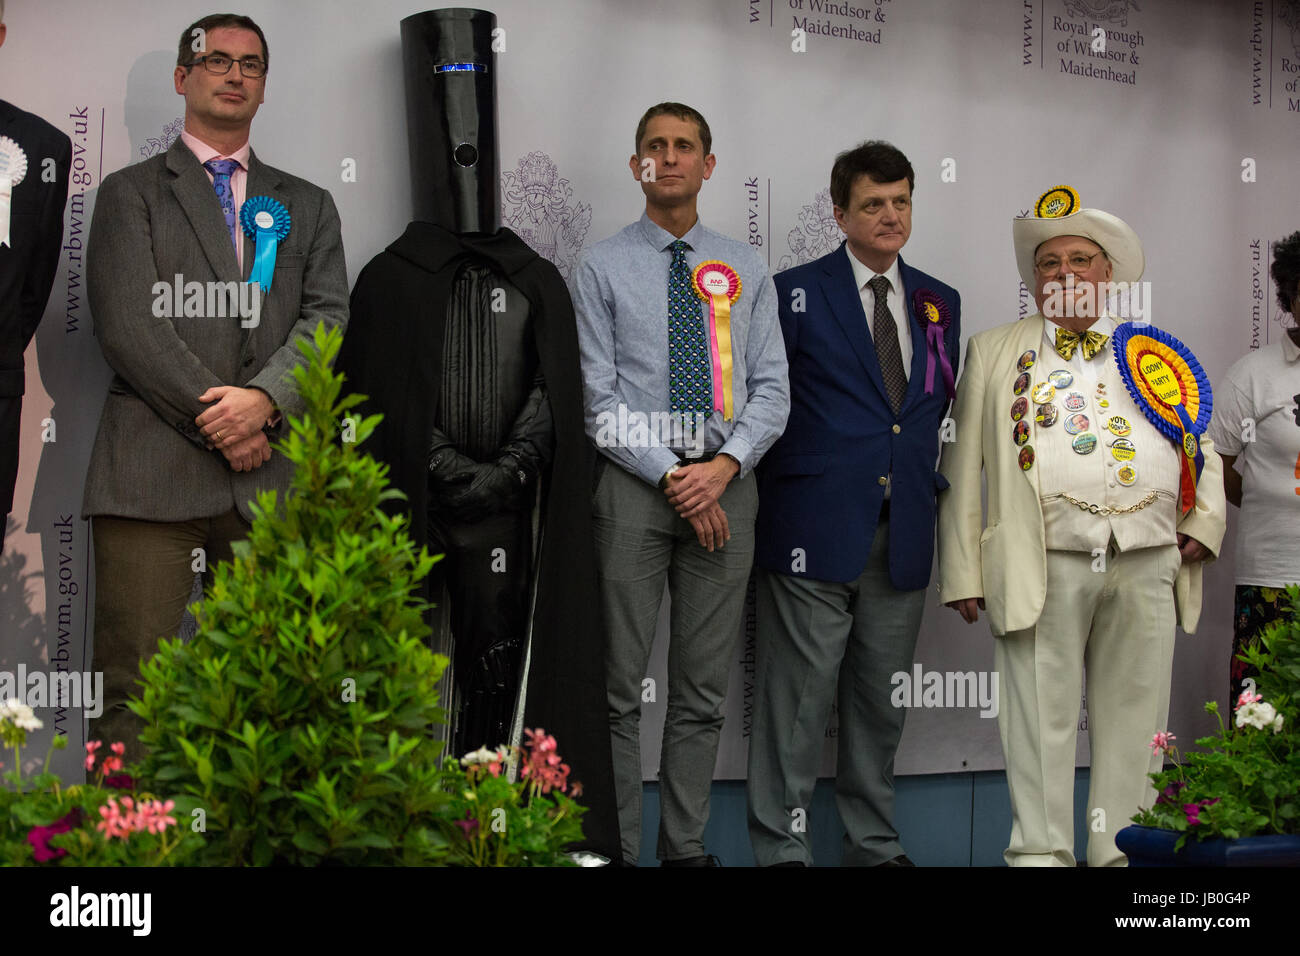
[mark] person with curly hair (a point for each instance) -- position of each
(1256, 427)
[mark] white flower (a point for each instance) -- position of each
(19, 714)
(1277, 724)
(1259, 715)
(482, 755)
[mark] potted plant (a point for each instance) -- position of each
(1236, 802)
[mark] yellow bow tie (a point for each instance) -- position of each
(1066, 342)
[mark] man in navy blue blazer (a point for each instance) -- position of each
(845, 532)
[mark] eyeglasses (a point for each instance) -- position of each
(218, 63)
(1077, 262)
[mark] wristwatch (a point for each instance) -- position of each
(663, 482)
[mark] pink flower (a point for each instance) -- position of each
(39, 837)
(1160, 743)
(469, 825)
(542, 763)
(110, 764)
(1193, 810)
(91, 747)
(118, 748)
(1247, 698)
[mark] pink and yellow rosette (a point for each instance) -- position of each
(718, 284)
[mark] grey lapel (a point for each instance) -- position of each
(194, 192)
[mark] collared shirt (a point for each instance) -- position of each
(862, 275)
(238, 179)
(620, 296)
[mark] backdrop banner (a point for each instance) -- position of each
(1180, 116)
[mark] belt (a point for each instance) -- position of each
(706, 457)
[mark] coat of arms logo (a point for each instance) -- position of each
(163, 142)
(535, 204)
(1113, 11)
(817, 233)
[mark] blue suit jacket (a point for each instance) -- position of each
(820, 486)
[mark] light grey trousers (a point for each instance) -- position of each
(641, 543)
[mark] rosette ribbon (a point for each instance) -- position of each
(719, 285)
(13, 168)
(266, 221)
(1173, 391)
(932, 312)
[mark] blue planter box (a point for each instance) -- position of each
(1148, 846)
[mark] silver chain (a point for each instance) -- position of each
(1103, 509)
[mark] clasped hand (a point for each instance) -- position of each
(233, 425)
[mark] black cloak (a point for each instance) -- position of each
(392, 352)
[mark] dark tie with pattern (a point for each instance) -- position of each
(690, 366)
(221, 170)
(885, 333)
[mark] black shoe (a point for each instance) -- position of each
(709, 860)
(900, 860)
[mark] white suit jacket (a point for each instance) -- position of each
(1004, 560)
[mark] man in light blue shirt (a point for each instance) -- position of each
(684, 381)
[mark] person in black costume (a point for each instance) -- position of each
(465, 339)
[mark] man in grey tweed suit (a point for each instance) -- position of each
(183, 442)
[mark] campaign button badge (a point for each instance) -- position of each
(1026, 458)
(1044, 392)
(1075, 402)
(1027, 361)
(1127, 475)
(1076, 423)
(1019, 408)
(1119, 426)
(1084, 444)
(1020, 434)
(1061, 378)
(1045, 415)
(1022, 384)
(1122, 449)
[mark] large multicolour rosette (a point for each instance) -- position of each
(266, 221)
(718, 284)
(1173, 391)
(933, 314)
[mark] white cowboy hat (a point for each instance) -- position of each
(1057, 213)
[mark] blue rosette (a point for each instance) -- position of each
(266, 222)
(1171, 388)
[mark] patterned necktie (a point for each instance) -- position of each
(1089, 343)
(221, 170)
(690, 366)
(884, 330)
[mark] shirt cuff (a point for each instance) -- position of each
(741, 450)
(651, 466)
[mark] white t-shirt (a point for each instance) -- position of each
(1257, 418)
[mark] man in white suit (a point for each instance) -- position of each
(1090, 554)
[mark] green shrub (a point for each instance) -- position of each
(300, 717)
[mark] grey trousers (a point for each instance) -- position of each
(812, 638)
(641, 543)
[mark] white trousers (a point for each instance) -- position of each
(1116, 618)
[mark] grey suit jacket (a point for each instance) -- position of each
(152, 222)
